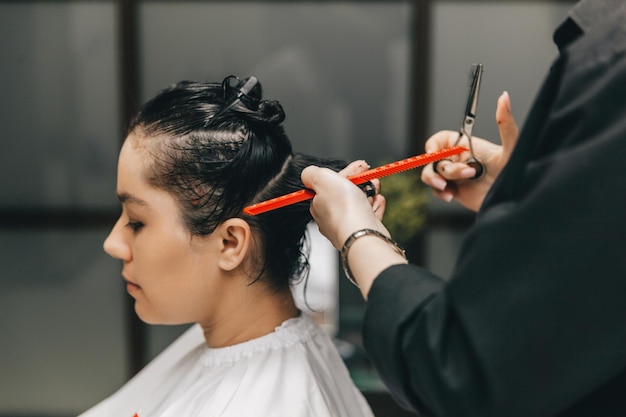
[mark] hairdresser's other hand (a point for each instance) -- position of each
(339, 207)
(453, 179)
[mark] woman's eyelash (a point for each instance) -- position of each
(134, 226)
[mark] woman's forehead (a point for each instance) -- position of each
(132, 185)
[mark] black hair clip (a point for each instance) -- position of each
(242, 89)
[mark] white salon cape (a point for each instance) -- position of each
(292, 372)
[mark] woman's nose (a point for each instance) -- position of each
(115, 245)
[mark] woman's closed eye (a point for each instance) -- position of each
(134, 225)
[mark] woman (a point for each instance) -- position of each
(195, 156)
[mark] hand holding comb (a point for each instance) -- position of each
(379, 172)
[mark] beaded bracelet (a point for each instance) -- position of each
(354, 236)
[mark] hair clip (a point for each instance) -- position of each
(241, 95)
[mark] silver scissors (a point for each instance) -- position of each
(468, 122)
(470, 118)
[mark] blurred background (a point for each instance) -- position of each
(358, 79)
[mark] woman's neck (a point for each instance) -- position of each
(255, 313)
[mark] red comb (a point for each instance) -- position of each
(382, 171)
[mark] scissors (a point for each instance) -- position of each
(468, 122)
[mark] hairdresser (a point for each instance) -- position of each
(532, 320)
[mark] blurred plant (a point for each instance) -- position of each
(405, 214)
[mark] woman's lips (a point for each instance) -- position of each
(130, 285)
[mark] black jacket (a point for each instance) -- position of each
(532, 322)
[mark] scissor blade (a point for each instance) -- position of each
(472, 100)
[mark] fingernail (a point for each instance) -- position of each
(439, 184)
(447, 197)
(505, 94)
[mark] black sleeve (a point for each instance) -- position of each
(534, 317)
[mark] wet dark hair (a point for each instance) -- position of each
(218, 150)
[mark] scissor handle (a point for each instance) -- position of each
(478, 166)
(472, 161)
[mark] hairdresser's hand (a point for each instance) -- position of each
(339, 207)
(453, 179)
(378, 201)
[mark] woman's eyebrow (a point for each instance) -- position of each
(126, 198)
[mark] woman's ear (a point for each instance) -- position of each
(235, 240)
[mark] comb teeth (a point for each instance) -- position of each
(406, 164)
(382, 171)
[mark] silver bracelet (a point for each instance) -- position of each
(354, 236)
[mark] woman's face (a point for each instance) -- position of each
(173, 277)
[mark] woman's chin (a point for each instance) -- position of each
(150, 318)
(145, 316)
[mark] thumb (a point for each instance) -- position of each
(507, 126)
(309, 175)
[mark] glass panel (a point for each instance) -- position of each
(59, 104)
(442, 242)
(513, 40)
(339, 69)
(61, 314)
